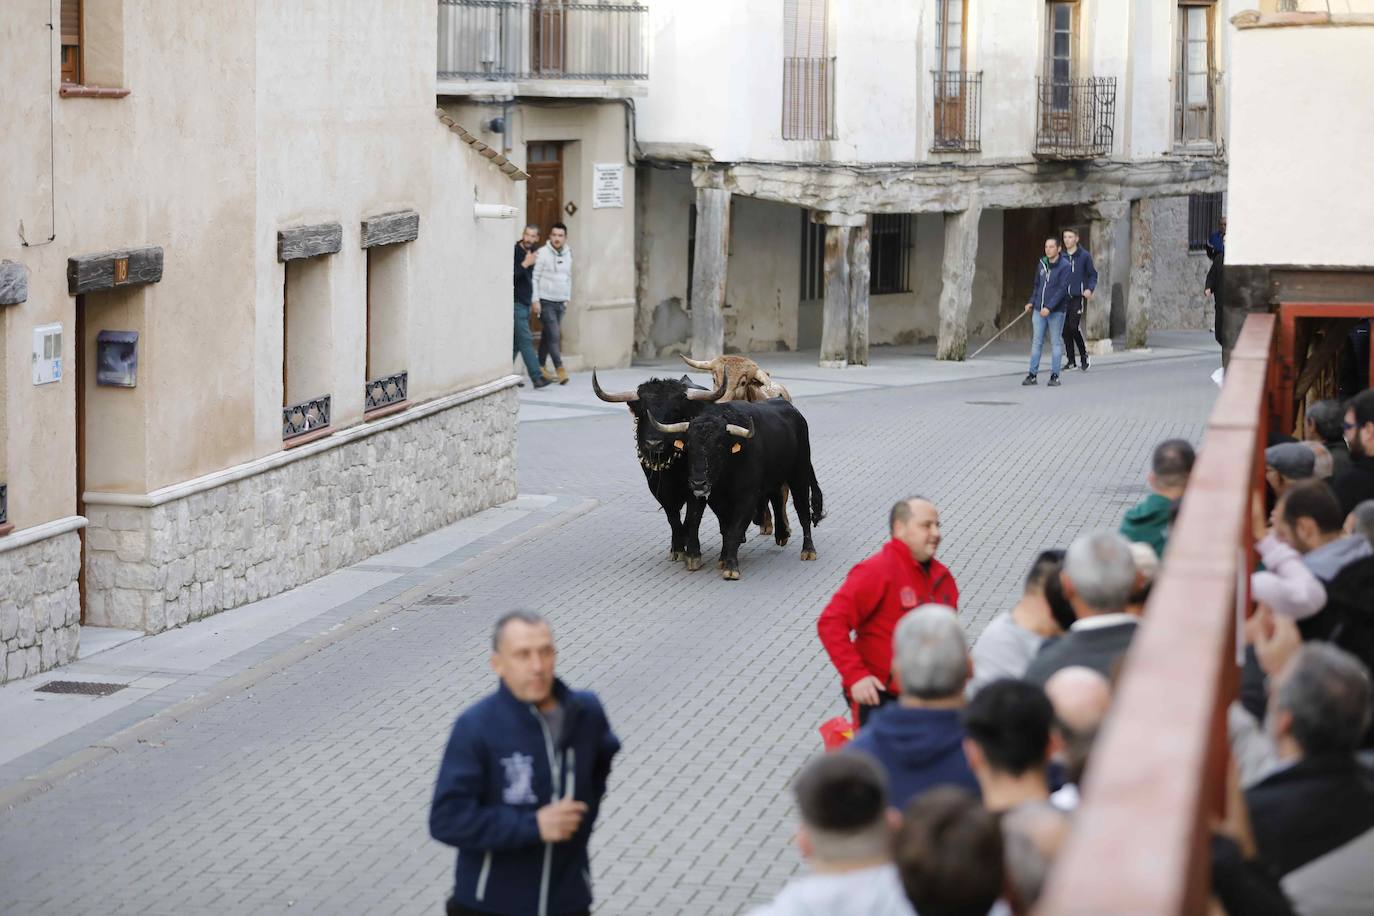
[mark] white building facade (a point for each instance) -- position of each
(817, 174)
(252, 328)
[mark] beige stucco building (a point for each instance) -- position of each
(554, 87)
(258, 202)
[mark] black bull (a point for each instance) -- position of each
(665, 467)
(741, 456)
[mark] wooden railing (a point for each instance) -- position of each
(1140, 841)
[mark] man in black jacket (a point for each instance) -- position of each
(1082, 284)
(525, 251)
(1216, 277)
(1098, 577)
(1313, 818)
(1356, 484)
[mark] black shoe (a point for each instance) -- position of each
(541, 383)
(1085, 363)
(1054, 381)
(1029, 379)
(1071, 365)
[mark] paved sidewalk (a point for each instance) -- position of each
(295, 776)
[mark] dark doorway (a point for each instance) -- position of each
(80, 353)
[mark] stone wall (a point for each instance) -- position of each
(155, 568)
(40, 607)
(1177, 301)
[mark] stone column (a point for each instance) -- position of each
(835, 311)
(956, 281)
(1103, 217)
(1142, 274)
(709, 272)
(858, 295)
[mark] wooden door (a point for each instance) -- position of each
(949, 111)
(79, 378)
(547, 34)
(543, 194)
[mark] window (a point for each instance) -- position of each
(71, 41)
(950, 16)
(1204, 218)
(890, 239)
(1195, 80)
(1060, 33)
(812, 259)
(388, 324)
(808, 72)
(306, 347)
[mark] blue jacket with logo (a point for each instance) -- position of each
(501, 766)
(1051, 289)
(1082, 270)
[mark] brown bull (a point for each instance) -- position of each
(745, 380)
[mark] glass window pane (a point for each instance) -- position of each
(953, 62)
(1197, 57)
(1061, 68)
(1061, 44)
(1062, 12)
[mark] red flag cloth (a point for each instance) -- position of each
(836, 732)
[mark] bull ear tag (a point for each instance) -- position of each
(677, 444)
(734, 449)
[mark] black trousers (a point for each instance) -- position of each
(1073, 337)
(884, 697)
(453, 908)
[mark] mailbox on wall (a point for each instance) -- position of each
(116, 359)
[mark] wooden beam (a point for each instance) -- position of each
(391, 228)
(859, 275)
(309, 241)
(89, 273)
(709, 265)
(1322, 356)
(835, 308)
(14, 283)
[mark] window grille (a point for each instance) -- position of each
(1204, 218)
(808, 72)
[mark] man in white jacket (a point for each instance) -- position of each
(845, 837)
(552, 290)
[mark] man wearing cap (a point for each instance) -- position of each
(1286, 464)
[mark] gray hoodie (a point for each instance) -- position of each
(868, 892)
(1329, 559)
(553, 274)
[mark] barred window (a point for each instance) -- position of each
(808, 72)
(1204, 218)
(812, 259)
(891, 240)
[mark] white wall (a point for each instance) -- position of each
(1301, 128)
(716, 76)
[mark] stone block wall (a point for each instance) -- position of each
(40, 607)
(155, 568)
(1177, 301)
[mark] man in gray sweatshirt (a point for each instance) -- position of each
(552, 290)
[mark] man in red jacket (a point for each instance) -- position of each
(877, 593)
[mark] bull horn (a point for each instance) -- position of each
(740, 431)
(620, 397)
(704, 395)
(705, 365)
(671, 429)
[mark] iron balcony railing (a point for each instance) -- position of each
(385, 391)
(957, 111)
(542, 39)
(1076, 118)
(4, 503)
(808, 98)
(305, 417)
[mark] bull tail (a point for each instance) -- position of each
(817, 506)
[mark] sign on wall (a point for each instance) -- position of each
(47, 354)
(608, 186)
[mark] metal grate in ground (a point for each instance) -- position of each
(81, 688)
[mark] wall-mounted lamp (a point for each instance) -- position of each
(493, 211)
(116, 359)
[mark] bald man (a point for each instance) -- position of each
(1081, 698)
(856, 627)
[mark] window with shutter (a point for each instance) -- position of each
(808, 72)
(1195, 80)
(70, 31)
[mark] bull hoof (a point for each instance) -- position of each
(730, 574)
(781, 538)
(677, 556)
(693, 563)
(809, 553)
(766, 528)
(720, 564)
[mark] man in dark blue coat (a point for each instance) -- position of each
(521, 782)
(1082, 283)
(1048, 305)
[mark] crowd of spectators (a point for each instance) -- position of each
(971, 762)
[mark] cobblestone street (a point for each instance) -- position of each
(307, 790)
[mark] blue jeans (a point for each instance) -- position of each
(1055, 324)
(524, 340)
(551, 341)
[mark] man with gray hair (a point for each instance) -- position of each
(919, 739)
(846, 838)
(1322, 423)
(1032, 836)
(1098, 578)
(1313, 819)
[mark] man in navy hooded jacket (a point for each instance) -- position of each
(521, 782)
(1048, 306)
(1082, 284)
(919, 740)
